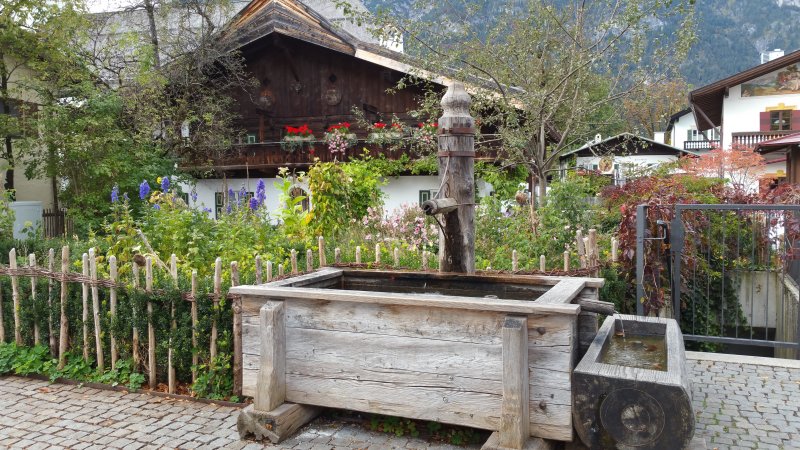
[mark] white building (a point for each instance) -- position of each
(682, 133)
(621, 156)
(759, 104)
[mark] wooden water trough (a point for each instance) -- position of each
(630, 399)
(494, 352)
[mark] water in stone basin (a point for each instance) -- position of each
(642, 351)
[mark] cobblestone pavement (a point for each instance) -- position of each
(739, 401)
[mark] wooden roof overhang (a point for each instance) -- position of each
(778, 144)
(706, 102)
(627, 144)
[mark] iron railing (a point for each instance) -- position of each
(730, 272)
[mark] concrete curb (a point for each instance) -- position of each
(740, 359)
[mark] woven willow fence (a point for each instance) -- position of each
(168, 332)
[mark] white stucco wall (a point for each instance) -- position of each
(627, 161)
(741, 114)
(680, 128)
(398, 190)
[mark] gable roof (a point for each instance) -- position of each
(707, 100)
(675, 117)
(626, 143)
(288, 17)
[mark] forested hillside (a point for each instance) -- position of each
(731, 33)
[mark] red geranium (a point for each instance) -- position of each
(379, 125)
(302, 130)
(343, 126)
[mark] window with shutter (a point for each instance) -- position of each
(763, 121)
(780, 120)
(796, 120)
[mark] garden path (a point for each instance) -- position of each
(741, 402)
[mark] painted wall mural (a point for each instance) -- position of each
(784, 81)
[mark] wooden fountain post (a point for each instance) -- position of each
(455, 202)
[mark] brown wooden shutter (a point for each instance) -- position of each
(795, 120)
(763, 120)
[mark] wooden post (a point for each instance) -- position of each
(51, 265)
(271, 390)
(237, 333)
(293, 259)
(322, 260)
(566, 260)
(515, 417)
(112, 295)
(591, 251)
(151, 330)
(457, 178)
(32, 265)
(64, 323)
(217, 293)
(280, 270)
(85, 315)
(396, 257)
(12, 264)
(542, 263)
(377, 254)
(258, 269)
(579, 243)
(358, 254)
(309, 260)
(614, 249)
(337, 255)
(98, 332)
(171, 382)
(514, 261)
(269, 271)
(135, 338)
(195, 356)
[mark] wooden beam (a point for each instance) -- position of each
(271, 388)
(515, 419)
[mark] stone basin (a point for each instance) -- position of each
(637, 400)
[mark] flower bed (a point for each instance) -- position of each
(383, 133)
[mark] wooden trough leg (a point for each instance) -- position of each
(268, 416)
(515, 417)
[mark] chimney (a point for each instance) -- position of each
(770, 55)
(658, 136)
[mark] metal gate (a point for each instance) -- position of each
(727, 273)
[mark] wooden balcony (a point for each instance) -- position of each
(751, 138)
(271, 156)
(701, 145)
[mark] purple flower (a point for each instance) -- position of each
(165, 184)
(194, 195)
(253, 203)
(156, 207)
(242, 195)
(144, 189)
(207, 210)
(261, 192)
(115, 194)
(231, 195)
(228, 208)
(125, 197)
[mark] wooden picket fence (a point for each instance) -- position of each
(90, 284)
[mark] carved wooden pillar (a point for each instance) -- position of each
(456, 200)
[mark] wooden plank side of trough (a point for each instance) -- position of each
(424, 300)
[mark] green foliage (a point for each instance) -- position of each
(6, 215)
(342, 194)
(215, 379)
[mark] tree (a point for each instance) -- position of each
(738, 164)
(649, 109)
(35, 40)
(541, 70)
